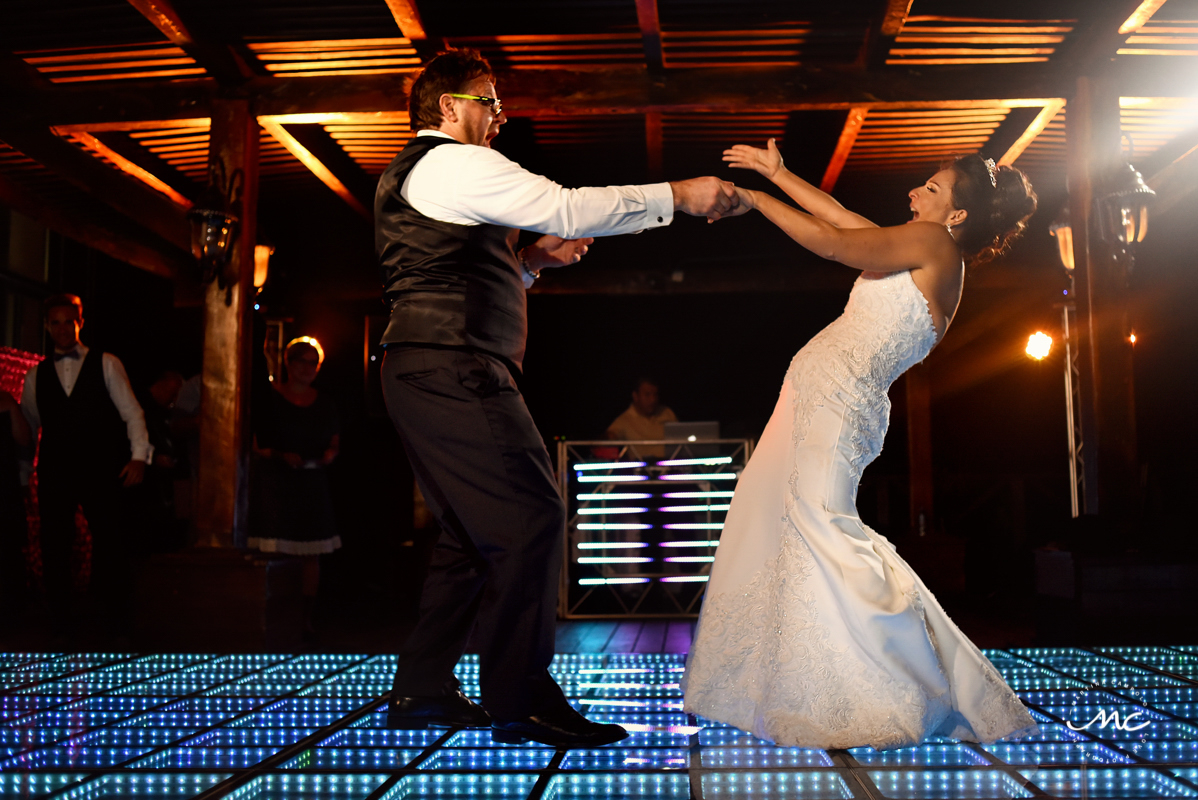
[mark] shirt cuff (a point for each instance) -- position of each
(659, 205)
(145, 454)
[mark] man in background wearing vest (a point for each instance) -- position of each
(94, 446)
(448, 211)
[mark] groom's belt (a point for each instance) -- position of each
(458, 320)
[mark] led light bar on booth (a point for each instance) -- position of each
(611, 545)
(696, 462)
(610, 465)
(609, 581)
(613, 478)
(710, 476)
(686, 509)
(618, 498)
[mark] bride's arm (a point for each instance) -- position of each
(768, 162)
(911, 246)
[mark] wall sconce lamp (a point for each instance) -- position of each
(1124, 209)
(214, 225)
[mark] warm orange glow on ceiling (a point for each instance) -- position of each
(127, 166)
(275, 128)
(1037, 126)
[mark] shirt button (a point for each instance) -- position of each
(661, 219)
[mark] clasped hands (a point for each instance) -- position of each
(700, 197)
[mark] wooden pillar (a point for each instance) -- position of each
(919, 448)
(224, 415)
(1107, 402)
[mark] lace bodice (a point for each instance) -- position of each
(886, 328)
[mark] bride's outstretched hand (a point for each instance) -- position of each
(768, 162)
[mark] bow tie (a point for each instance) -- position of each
(68, 354)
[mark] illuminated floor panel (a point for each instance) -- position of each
(1114, 723)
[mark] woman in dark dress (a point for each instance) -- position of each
(296, 437)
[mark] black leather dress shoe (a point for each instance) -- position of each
(565, 728)
(453, 709)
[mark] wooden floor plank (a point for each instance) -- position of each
(569, 634)
(679, 636)
(624, 639)
(652, 638)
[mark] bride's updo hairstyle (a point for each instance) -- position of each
(998, 200)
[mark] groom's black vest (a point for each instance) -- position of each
(448, 285)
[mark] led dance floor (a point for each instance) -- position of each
(101, 725)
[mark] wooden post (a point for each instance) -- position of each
(224, 413)
(919, 448)
(1107, 402)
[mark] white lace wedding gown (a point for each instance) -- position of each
(814, 632)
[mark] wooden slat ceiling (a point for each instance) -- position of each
(109, 43)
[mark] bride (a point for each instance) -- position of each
(814, 632)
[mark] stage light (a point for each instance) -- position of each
(690, 559)
(699, 543)
(1132, 338)
(613, 560)
(695, 526)
(613, 526)
(601, 511)
(686, 579)
(694, 495)
(1038, 345)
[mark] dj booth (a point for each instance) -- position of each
(643, 523)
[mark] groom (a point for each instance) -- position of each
(448, 211)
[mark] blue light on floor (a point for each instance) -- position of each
(266, 727)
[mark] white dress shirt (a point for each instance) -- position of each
(472, 185)
(117, 383)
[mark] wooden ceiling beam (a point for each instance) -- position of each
(125, 194)
(844, 146)
(548, 92)
(407, 19)
(96, 230)
(316, 164)
(650, 22)
(653, 145)
(891, 16)
(1093, 48)
(1033, 129)
(220, 60)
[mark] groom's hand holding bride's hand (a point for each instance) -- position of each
(705, 197)
(554, 251)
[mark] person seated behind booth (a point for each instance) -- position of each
(94, 448)
(644, 419)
